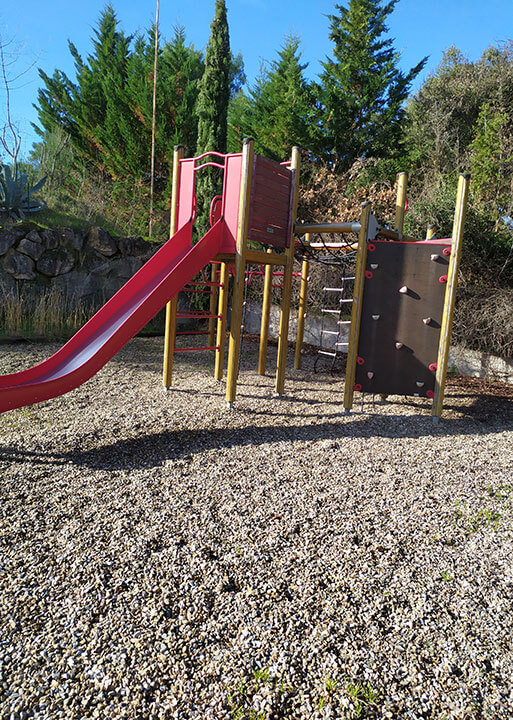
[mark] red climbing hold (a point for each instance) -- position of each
(360, 360)
(430, 393)
(442, 279)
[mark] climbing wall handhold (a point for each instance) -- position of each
(426, 321)
(447, 251)
(430, 393)
(435, 257)
(376, 317)
(370, 375)
(419, 383)
(360, 360)
(442, 279)
(433, 367)
(403, 290)
(398, 345)
(374, 266)
(368, 274)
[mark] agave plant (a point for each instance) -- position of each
(16, 196)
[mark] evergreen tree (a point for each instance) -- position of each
(280, 112)
(363, 90)
(107, 110)
(212, 108)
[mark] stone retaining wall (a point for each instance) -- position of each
(89, 266)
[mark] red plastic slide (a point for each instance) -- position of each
(122, 317)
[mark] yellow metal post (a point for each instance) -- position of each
(356, 313)
(283, 338)
(240, 267)
(450, 295)
(402, 185)
(303, 297)
(213, 304)
(221, 321)
(430, 232)
(170, 330)
(266, 312)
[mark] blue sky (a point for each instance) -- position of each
(38, 33)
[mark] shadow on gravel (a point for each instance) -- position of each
(488, 415)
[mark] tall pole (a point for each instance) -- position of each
(240, 267)
(153, 118)
(402, 185)
(450, 295)
(171, 307)
(283, 339)
(356, 313)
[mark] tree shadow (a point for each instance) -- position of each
(488, 415)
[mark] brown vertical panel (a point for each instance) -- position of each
(398, 347)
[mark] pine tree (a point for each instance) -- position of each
(362, 89)
(212, 109)
(282, 105)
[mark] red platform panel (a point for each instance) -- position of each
(270, 214)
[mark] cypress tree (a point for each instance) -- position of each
(107, 110)
(282, 105)
(212, 109)
(363, 91)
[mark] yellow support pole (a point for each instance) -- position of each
(221, 321)
(171, 307)
(430, 232)
(240, 267)
(450, 295)
(283, 338)
(402, 185)
(356, 312)
(303, 297)
(213, 304)
(266, 312)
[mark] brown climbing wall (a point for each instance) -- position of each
(401, 317)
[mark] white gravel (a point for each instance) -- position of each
(164, 557)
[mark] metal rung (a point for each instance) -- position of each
(328, 289)
(333, 312)
(341, 343)
(349, 300)
(330, 332)
(344, 322)
(324, 352)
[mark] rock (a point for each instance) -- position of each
(72, 238)
(127, 266)
(55, 262)
(8, 237)
(34, 236)
(101, 241)
(20, 266)
(50, 239)
(31, 248)
(7, 284)
(136, 246)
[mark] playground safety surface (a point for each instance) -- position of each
(164, 557)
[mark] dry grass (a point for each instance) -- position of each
(49, 315)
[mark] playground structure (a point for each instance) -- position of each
(253, 222)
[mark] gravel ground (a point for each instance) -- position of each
(164, 557)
